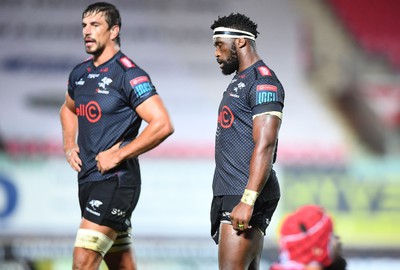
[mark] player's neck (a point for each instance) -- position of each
(246, 60)
(105, 55)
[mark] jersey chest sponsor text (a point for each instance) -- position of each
(91, 111)
(225, 117)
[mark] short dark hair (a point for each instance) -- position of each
(110, 12)
(237, 21)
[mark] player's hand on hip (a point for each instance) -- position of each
(240, 216)
(108, 159)
(73, 159)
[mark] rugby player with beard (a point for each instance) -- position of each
(245, 187)
(108, 97)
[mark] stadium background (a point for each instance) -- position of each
(339, 144)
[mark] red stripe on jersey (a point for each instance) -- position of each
(266, 87)
(138, 80)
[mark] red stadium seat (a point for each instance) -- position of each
(374, 24)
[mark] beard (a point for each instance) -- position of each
(95, 50)
(232, 64)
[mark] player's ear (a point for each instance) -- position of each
(114, 31)
(240, 42)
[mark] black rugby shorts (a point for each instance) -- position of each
(222, 206)
(106, 203)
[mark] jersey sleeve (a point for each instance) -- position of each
(138, 86)
(266, 95)
(71, 86)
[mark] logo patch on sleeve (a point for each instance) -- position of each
(264, 71)
(266, 93)
(141, 85)
(126, 62)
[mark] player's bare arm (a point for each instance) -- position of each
(159, 127)
(69, 123)
(265, 133)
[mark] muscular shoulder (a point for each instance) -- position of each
(135, 78)
(262, 73)
(130, 68)
(266, 92)
(125, 62)
(265, 79)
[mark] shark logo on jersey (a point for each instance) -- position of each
(236, 89)
(95, 204)
(105, 82)
(241, 85)
(103, 85)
